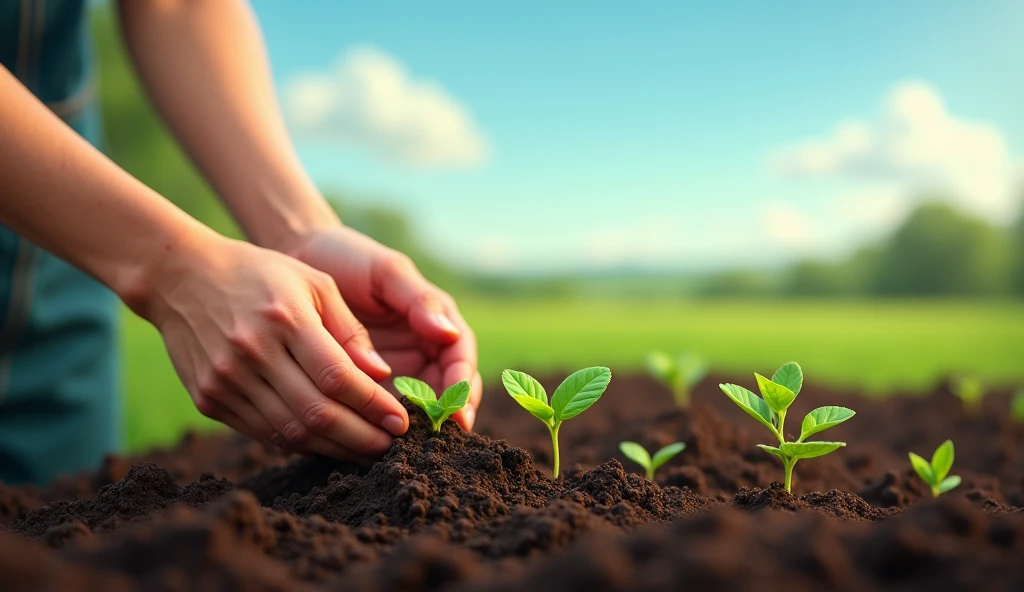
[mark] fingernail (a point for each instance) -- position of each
(393, 424)
(470, 414)
(445, 323)
(378, 361)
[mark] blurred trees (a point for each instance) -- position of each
(939, 251)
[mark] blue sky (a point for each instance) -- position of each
(656, 134)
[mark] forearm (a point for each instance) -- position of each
(205, 66)
(61, 193)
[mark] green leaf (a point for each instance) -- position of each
(665, 454)
(454, 397)
(661, 366)
(691, 369)
(949, 483)
(521, 383)
(751, 403)
(942, 460)
(809, 449)
(435, 411)
(923, 468)
(636, 453)
(823, 418)
(791, 376)
(538, 409)
(772, 450)
(778, 397)
(1017, 407)
(416, 391)
(579, 391)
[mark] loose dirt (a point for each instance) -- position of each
(459, 511)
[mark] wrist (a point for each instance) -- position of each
(145, 284)
(278, 210)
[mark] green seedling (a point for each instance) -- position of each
(574, 396)
(420, 394)
(779, 393)
(1017, 407)
(934, 473)
(640, 456)
(970, 391)
(680, 374)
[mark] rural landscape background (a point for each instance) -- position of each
(937, 288)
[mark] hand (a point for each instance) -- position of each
(415, 325)
(265, 344)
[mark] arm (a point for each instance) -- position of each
(252, 333)
(205, 67)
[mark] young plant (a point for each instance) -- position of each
(420, 394)
(934, 473)
(970, 391)
(680, 374)
(779, 393)
(574, 396)
(640, 456)
(1017, 407)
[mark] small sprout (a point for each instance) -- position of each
(779, 393)
(640, 456)
(970, 391)
(680, 374)
(1017, 406)
(574, 396)
(934, 473)
(424, 397)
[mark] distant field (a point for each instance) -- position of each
(875, 345)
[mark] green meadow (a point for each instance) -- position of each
(875, 345)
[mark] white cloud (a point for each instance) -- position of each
(915, 144)
(370, 100)
(787, 226)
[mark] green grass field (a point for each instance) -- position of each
(875, 345)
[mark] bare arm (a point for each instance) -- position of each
(60, 192)
(205, 66)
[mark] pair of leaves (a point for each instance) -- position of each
(779, 393)
(640, 456)
(935, 473)
(574, 396)
(684, 371)
(798, 450)
(438, 410)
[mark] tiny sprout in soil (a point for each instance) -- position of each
(574, 396)
(970, 391)
(680, 374)
(438, 410)
(779, 393)
(640, 456)
(934, 473)
(1017, 407)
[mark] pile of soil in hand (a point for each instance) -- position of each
(459, 511)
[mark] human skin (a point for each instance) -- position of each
(276, 338)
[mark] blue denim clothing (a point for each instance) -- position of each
(59, 380)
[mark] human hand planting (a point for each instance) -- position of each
(415, 325)
(265, 344)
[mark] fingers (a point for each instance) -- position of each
(334, 375)
(349, 332)
(401, 286)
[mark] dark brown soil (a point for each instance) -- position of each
(461, 511)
